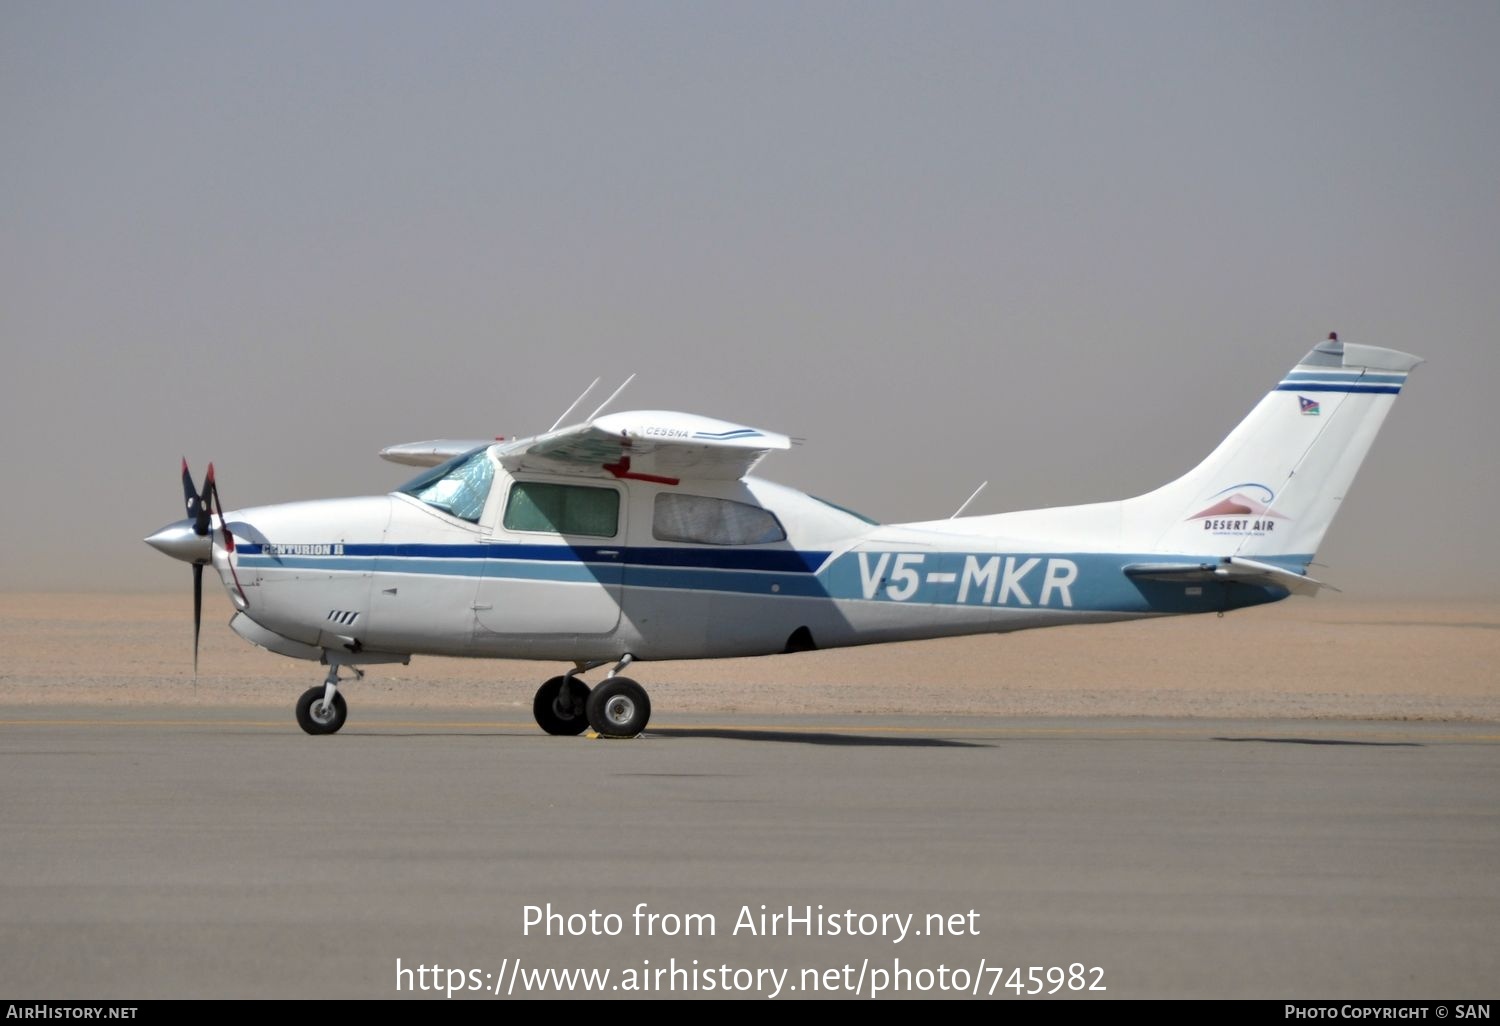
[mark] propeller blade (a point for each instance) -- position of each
(212, 503)
(197, 509)
(211, 494)
(197, 612)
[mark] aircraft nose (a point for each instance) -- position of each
(180, 541)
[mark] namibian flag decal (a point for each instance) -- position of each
(1310, 407)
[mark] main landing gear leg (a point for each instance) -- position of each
(618, 707)
(560, 702)
(322, 710)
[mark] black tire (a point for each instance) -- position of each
(315, 717)
(565, 719)
(618, 707)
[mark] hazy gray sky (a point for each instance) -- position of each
(1062, 246)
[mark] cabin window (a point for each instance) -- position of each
(563, 509)
(705, 521)
(458, 487)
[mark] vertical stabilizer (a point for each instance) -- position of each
(1274, 485)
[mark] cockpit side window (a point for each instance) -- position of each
(458, 487)
(563, 509)
(702, 520)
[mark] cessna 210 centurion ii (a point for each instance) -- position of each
(641, 536)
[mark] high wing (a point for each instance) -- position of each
(646, 445)
(431, 453)
(1232, 568)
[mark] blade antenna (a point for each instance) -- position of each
(970, 499)
(569, 410)
(611, 399)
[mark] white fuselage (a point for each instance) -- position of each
(394, 574)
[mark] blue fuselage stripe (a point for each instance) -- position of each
(1371, 379)
(1310, 386)
(767, 560)
(1078, 581)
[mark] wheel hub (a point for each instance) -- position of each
(619, 709)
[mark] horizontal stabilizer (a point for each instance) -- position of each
(1231, 568)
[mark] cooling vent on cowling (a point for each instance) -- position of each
(346, 617)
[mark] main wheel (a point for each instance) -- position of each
(317, 716)
(561, 715)
(618, 707)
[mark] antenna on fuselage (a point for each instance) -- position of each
(569, 410)
(611, 399)
(970, 499)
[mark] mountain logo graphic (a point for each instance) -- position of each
(1310, 407)
(1239, 504)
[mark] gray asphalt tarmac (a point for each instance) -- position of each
(165, 853)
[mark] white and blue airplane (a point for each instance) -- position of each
(640, 536)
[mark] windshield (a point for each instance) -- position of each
(458, 487)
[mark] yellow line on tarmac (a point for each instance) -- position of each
(1242, 729)
(141, 723)
(468, 724)
(1093, 730)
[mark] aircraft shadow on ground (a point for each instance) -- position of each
(1483, 625)
(721, 733)
(810, 738)
(1324, 741)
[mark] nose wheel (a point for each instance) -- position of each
(322, 710)
(317, 714)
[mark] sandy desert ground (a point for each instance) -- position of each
(1322, 658)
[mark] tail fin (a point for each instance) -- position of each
(1273, 486)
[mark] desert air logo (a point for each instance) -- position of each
(1241, 509)
(1310, 407)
